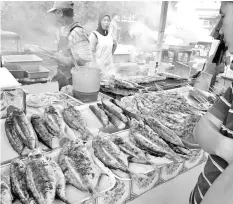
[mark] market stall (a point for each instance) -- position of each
(136, 132)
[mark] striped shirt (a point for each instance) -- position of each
(78, 42)
(223, 110)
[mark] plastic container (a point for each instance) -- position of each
(10, 93)
(16, 71)
(121, 58)
(86, 83)
(35, 71)
(21, 59)
(203, 82)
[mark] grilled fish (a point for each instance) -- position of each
(165, 133)
(149, 141)
(60, 181)
(74, 119)
(115, 120)
(13, 136)
(78, 167)
(100, 114)
(41, 180)
(129, 148)
(111, 155)
(54, 121)
(6, 196)
(115, 110)
(18, 182)
(41, 130)
(132, 113)
(25, 129)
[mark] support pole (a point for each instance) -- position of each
(162, 24)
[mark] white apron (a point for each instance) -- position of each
(103, 53)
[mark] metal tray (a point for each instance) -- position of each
(35, 71)
(20, 58)
(107, 181)
(16, 71)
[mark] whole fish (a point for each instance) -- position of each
(74, 119)
(129, 148)
(137, 155)
(165, 133)
(40, 176)
(147, 139)
(13, 136)
(19, 183)
(60, 181)
(100, 114)
(25, 129)
(115, 110)
(6, 195)
(43, 134)
(78, 167)
(54, 121)
(129, 111)
(111, 155)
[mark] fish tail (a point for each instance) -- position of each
(64, 200)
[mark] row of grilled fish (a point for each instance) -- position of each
(39, 180)
(22, 132)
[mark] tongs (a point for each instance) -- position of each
(34, 48)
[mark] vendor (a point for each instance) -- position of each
(71, 37)
(103, 45)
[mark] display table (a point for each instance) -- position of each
(176, 190)
(126, 190)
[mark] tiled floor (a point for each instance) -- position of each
(176, 191)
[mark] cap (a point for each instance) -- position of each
(61, 5)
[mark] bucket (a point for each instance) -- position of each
(86, 83)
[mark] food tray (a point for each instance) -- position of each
(93, 124)
(35, 71)
(21, 59)
(8, 153)
(135, 167)
(74, 195)
(43, 99)
(16, 71)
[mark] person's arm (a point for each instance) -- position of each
(114, 47)
(93, 43)
(62, 59)
(207, 134)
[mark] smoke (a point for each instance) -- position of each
(184, 25)
(31, 21)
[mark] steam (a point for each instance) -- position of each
(185, 26)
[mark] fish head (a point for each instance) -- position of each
(65, 142)
(117, 139)
(18, 164)
(35, 117)
(35, 154)
(50, 109)
(11, 109)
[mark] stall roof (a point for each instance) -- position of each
(8, 35)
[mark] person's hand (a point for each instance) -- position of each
(58, 57)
